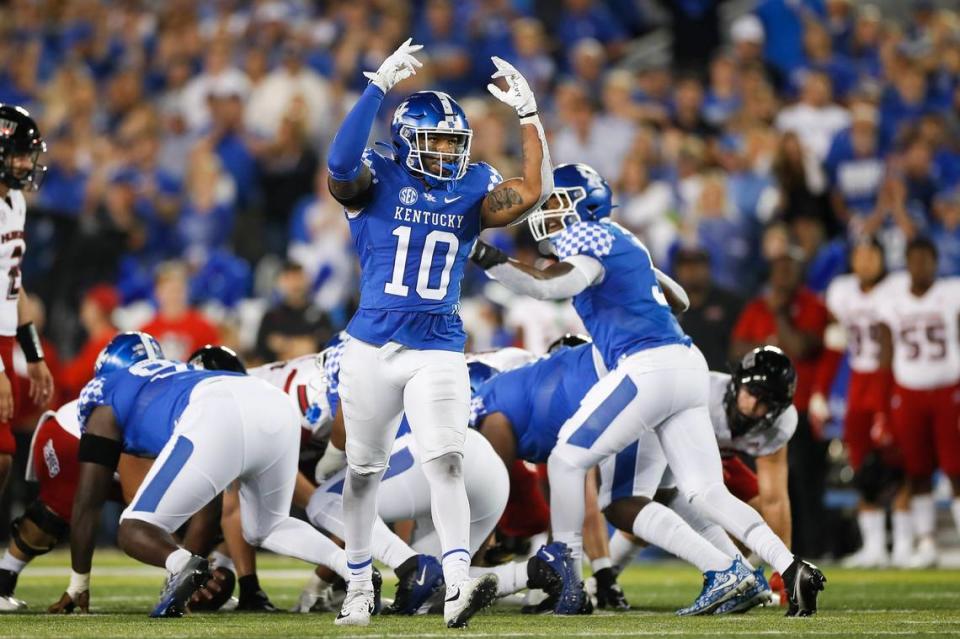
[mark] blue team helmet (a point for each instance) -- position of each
(418, 125)
(579, 194)
(125, 350)
(479, 373)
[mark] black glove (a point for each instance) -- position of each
(487, 256)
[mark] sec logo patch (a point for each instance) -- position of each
(408, 195)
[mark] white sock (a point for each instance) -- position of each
(177, 560)
(622, 550)
(600, 563)
(924, 517)
(359, 514)
(902, 532)
(389, 548)
(873, 530)
(955, 509)
(566, 503)
(768, 546)
(220, 560)
(451, 515)
(662, 527)
(712, 532)
(11, 563)
(512, 576)
(296, 538)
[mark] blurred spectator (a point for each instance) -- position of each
(206, 219)
(587, 64)
(228, 137)
(447, 46)
(903, 101)
(217, 66)
(180, 328)
(695, 27)
(801, 183)
(821, 57)
(855, 165)
(945, 232)
(723, 95)
(582, 19)
(589, 138)
(920, 178)
(713, 309)
(864, 45)
(273, 98)
(532, 59)
(293, 326)
(687, 115)
(783, 22)
(96, 308)
(815, 119)
(790, 316)
(646, 207)
(748, 38)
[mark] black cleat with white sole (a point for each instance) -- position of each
(802, 582)
(471, 596)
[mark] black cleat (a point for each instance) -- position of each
(609, 593)
(802, 582)
(258, 601)
(418, 579)
(227, 580)
(8, 583)
(181, 586)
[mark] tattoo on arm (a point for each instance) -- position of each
(501, 199)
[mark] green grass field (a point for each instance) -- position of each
(856, 604)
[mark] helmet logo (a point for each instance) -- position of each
(400, 112)
(7, 128)
(408, 195)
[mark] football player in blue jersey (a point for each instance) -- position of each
(414, 218)
(206, 429)
(619, 296)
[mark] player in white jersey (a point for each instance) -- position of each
(853, 301)
(920, 316)
(20, 147)
(752, 414)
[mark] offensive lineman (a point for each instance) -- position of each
(20, 147)
(615, 289)
(414, 220)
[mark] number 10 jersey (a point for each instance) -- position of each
(413, 242)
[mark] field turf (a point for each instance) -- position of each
(856, 604)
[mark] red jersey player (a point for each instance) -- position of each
(921, 318)
(852, 301)
(20, 147)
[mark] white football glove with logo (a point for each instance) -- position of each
(518, 93)
(398, 66)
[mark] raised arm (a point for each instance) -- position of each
(349, 180)
(513, 199)
(559, 281)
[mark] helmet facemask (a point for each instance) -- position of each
(439, 165)
(558, 212)
(16, 175)
(741, 424)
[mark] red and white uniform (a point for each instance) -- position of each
(53, 458)
(305, 381)
(13, 214)
(925, 405)
(868, 395)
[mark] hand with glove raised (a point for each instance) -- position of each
(518, 93)
(398, 66)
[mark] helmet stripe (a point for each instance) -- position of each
(448, 114)
(151, 351)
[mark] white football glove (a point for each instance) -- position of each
(398, 66)
(518, 93)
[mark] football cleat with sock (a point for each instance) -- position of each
(803, 582)
(418, 579)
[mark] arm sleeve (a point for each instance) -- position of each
(346, 150)
(586, 271)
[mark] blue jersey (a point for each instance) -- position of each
(625, 311)
(413, 242)
(538, 398)
(147, 400)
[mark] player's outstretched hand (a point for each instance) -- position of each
(518, 93)
(79, 602)
(398, 66)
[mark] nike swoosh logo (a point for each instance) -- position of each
(423, 577)
(549, 556)
(728, 579)
(447, 200)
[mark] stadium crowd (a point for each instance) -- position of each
(186, 189)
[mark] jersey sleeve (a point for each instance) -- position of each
(834, 295)
(489, 176)
(786, 426)
(585, 238)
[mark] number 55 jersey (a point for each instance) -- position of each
(413, 242)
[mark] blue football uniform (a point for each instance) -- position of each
(147, 400)
(538, 398)
(626, 310)
(413, 242)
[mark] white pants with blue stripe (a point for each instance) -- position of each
(235, 428)
(636, 471)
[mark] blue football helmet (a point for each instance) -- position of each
(125, 350)
(479, 373)
(417, 123)
(579, 194)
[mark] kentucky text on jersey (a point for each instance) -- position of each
(416, 216)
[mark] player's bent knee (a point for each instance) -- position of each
(447, 466)
(322, 502)
(367, 470)
(38, 530)
(622, 512)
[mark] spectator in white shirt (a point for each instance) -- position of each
(815, 118)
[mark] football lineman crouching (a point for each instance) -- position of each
(209, 428)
